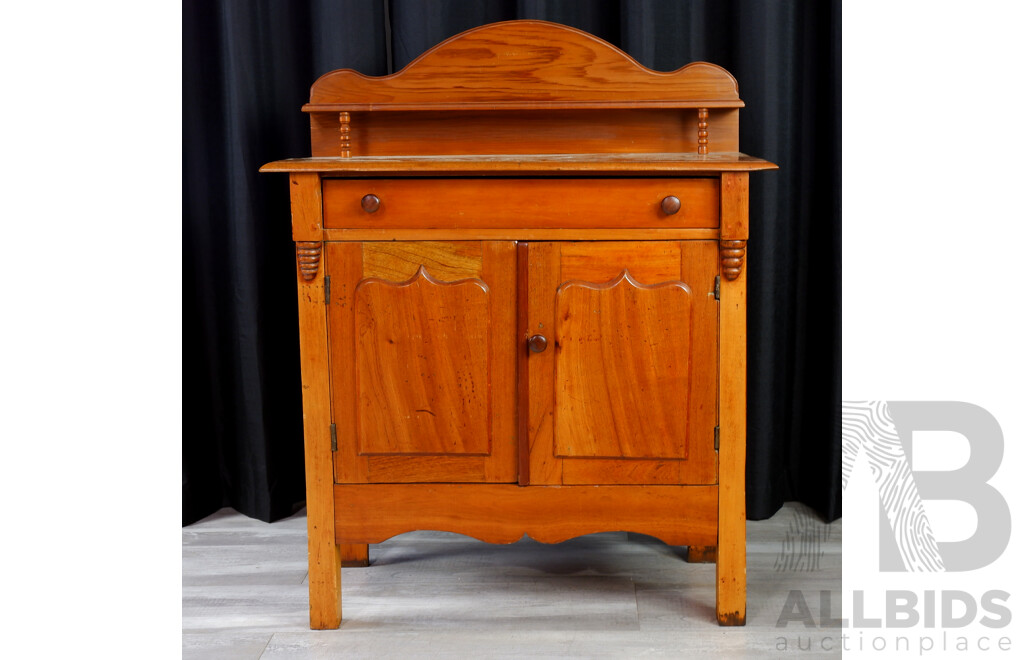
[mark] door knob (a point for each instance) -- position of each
(537, 343)
(670, 205)
(370, 203)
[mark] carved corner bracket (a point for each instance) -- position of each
(732, 253)
(308, 255)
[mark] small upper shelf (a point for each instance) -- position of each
(531, 88)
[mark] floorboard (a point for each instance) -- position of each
(441, 595)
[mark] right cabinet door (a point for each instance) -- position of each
(619, 364)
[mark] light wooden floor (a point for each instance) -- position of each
(439, 595)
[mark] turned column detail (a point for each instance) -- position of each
(345, 133)
(702, 130)
(732, 253)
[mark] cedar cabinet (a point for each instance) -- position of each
(522, 302)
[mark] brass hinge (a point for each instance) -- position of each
(718, 287)
(327, 289)
(334, 438)
(716, 438)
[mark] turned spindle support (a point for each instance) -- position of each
(345, 132)
(702, 130)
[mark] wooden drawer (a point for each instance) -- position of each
(520, 203)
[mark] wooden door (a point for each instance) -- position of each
(624, 388)
(422, 346)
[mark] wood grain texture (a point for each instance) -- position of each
(324, 556)
(622, 368)
(515, 132)
(731, 566)
(414, 469)
(445, 260)
(307, 208)
(698, 265)
(422, 366)
(610, 471)
(735, 206)
(503, 513)
(499, 265)
(605, 260)
(454, 204)
(618, 164)
(544, 273)
(525, 64)
(424, 377)
(344, 263)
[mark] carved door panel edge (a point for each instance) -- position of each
(626, 390)
(422, 341)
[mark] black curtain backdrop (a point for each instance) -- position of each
(247, 69)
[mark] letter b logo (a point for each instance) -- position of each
(883, 431)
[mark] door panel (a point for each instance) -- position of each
(622, 363)
(422, 366)
(423, 361)
(627, 393)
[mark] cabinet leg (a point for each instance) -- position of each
(700, 554)
(324, 586)
(354, 554)
(324, 553)
(731, 563)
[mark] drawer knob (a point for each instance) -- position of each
(670, 205)
(537, 343)
(370, 203)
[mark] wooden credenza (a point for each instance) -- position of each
(521, 277)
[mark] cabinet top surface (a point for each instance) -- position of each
(613, 164)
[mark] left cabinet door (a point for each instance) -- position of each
(423, 358)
